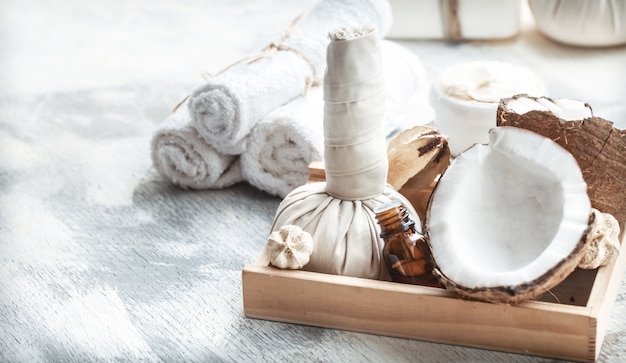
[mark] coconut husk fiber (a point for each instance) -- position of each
(417, 156)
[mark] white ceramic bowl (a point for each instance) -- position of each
(465, 98)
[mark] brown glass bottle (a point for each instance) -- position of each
(406, 253)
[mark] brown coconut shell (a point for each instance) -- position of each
(598, 147)
(417, 156)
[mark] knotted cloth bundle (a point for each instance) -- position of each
(354, 109)
(226, 108)
(339, 213)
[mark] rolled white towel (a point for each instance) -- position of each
(283, 144)
(281, 147)
(183, 157)
(226, 108)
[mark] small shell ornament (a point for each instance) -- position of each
(604, 243)
(290, 247)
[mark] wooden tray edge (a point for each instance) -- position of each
(589, 322)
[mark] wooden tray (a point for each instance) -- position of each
(569, 323)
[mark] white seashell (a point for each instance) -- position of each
(290, 247)
(604, 244)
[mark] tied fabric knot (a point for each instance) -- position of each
(269, 50)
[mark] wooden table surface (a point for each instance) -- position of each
(102, 259)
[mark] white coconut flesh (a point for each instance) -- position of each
(566, 109)
(505, 214)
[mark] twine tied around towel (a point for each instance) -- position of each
(275, 46)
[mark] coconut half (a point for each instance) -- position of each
(508, 220)
(598, 146)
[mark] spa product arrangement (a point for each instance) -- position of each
(509, 220)
(501, 220)
(505, 221)
(503, 198)
(512, 234)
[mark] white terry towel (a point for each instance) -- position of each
(227, 107)
(283, 144)
(183, 157)
(281, 147)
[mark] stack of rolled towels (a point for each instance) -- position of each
(261, 119)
